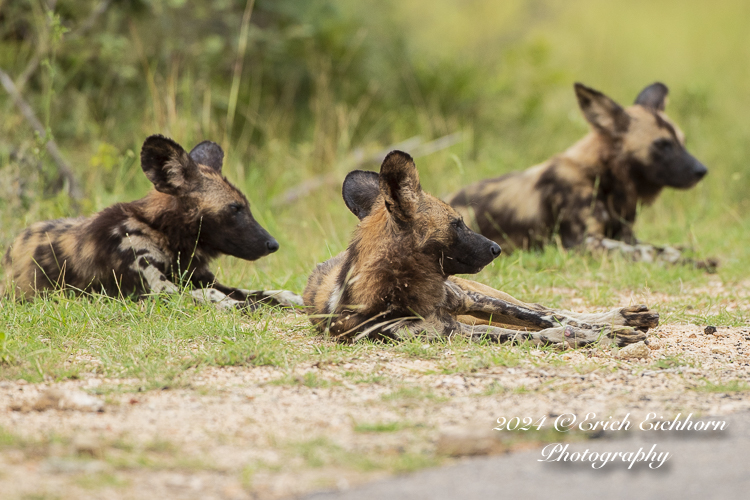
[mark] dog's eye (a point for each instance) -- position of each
(236, 207)
(664, 144)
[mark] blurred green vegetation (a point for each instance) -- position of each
(306, 91)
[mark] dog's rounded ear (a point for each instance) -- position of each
(654, 96)
(169, 168)
(604, 114)
(208, 153)
(399, 184)
(360, 189)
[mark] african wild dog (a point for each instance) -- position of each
(395, 279)
(148, 245)
(589, 194)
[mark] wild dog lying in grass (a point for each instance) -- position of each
(395, 279)
(149, 245)
(590, 193)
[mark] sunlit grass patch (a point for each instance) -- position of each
(308, 379)
(101, 480)
(724, 387)
(321, 452)
(409, 394)
(382, 426)
(156, 340)
(671, 361)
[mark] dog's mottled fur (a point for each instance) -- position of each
(147, 246)
(589, 194)
(395, 279)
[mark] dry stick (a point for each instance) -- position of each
(413, 145)
(234, 91)
(353, 161)
(64, 169)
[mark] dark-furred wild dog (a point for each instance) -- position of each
(146, 246)
(395, 279)
(590, 193)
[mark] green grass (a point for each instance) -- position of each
(322, 452)
(381, 426)
(412, 394)
(157, 341)
(101, 480)
(119, 454)
(671, 361)
(724, 387)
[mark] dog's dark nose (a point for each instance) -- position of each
(700, 171)
(272, 245)
(495, 249)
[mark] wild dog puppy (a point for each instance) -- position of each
(589, 194)
(395, 279)
(147, 246)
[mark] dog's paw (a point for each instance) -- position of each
(571, 336)
(639, 317)
(709, 265)
(285, 298)
(622, 336)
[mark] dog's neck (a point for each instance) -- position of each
(603, 157)
(594, 154)
(176, 221)
(384, 271)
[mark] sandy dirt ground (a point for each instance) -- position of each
(259, 432)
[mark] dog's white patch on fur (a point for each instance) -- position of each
(333, 301)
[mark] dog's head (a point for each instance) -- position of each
(651, 145)
(426, 224)
(222, 212)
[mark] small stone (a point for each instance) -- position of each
(719, 350)
(710, 330)
(88, 445)
(467, 442)
(634, 351)
(654, 344)
(60, 399)
(692, 336)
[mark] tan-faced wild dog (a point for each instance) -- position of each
(395, 279)
(589, 194)
(147, 246)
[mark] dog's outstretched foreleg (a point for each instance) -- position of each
(158, 282)
(642, 252)
(283, 298)
(561, 336)
(247, 298)
(484, 307)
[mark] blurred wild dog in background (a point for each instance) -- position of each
(395, 279)
(147, 246)
(589, 194)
